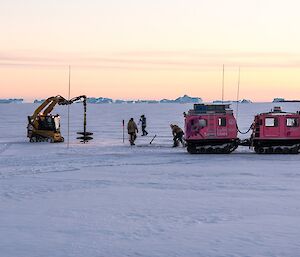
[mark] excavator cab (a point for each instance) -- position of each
(49, 122)
(44, 128)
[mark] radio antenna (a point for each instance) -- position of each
(69, 95)
(238, 94)
(223, 86)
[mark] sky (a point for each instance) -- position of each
(141, 49)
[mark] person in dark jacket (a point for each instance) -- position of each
(177, 133)
(132, 130)
(143, 122)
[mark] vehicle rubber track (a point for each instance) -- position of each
(212, 149)
(280, 149)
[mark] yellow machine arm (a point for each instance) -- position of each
(47, 106)
(75, 99)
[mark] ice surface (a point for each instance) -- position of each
(105, 198)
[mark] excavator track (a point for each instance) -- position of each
(36, 139)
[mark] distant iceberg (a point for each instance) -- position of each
(243, 101)
(278, 100)
(281, 100)
(188, 99)
(37, 101)
(182, 99)
(11, 100)
(222, 102)
(99, 100)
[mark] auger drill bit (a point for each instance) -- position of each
(85, 136)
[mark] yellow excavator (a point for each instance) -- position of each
(44, 126)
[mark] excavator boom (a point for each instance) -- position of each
(48, 106)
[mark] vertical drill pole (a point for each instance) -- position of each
(123, 131)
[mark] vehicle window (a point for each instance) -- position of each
(202, 123)
(271, 122)
(222, 122)
(292, 122)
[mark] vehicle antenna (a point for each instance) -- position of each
(69, 94)
(223, 85)
(238, 95)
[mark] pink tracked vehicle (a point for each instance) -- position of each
(276, 132)
(211, 128)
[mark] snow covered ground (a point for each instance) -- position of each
(105, 198)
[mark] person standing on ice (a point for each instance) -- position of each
(177, 135)
(132, 130)
(143, 122)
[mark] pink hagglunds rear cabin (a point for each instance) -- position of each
(276, 131)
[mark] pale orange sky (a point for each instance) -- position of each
(139, 49)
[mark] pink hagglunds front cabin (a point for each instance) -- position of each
(211, 128)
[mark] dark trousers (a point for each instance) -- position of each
(178, 137)
(132, 138)
(145, 133)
